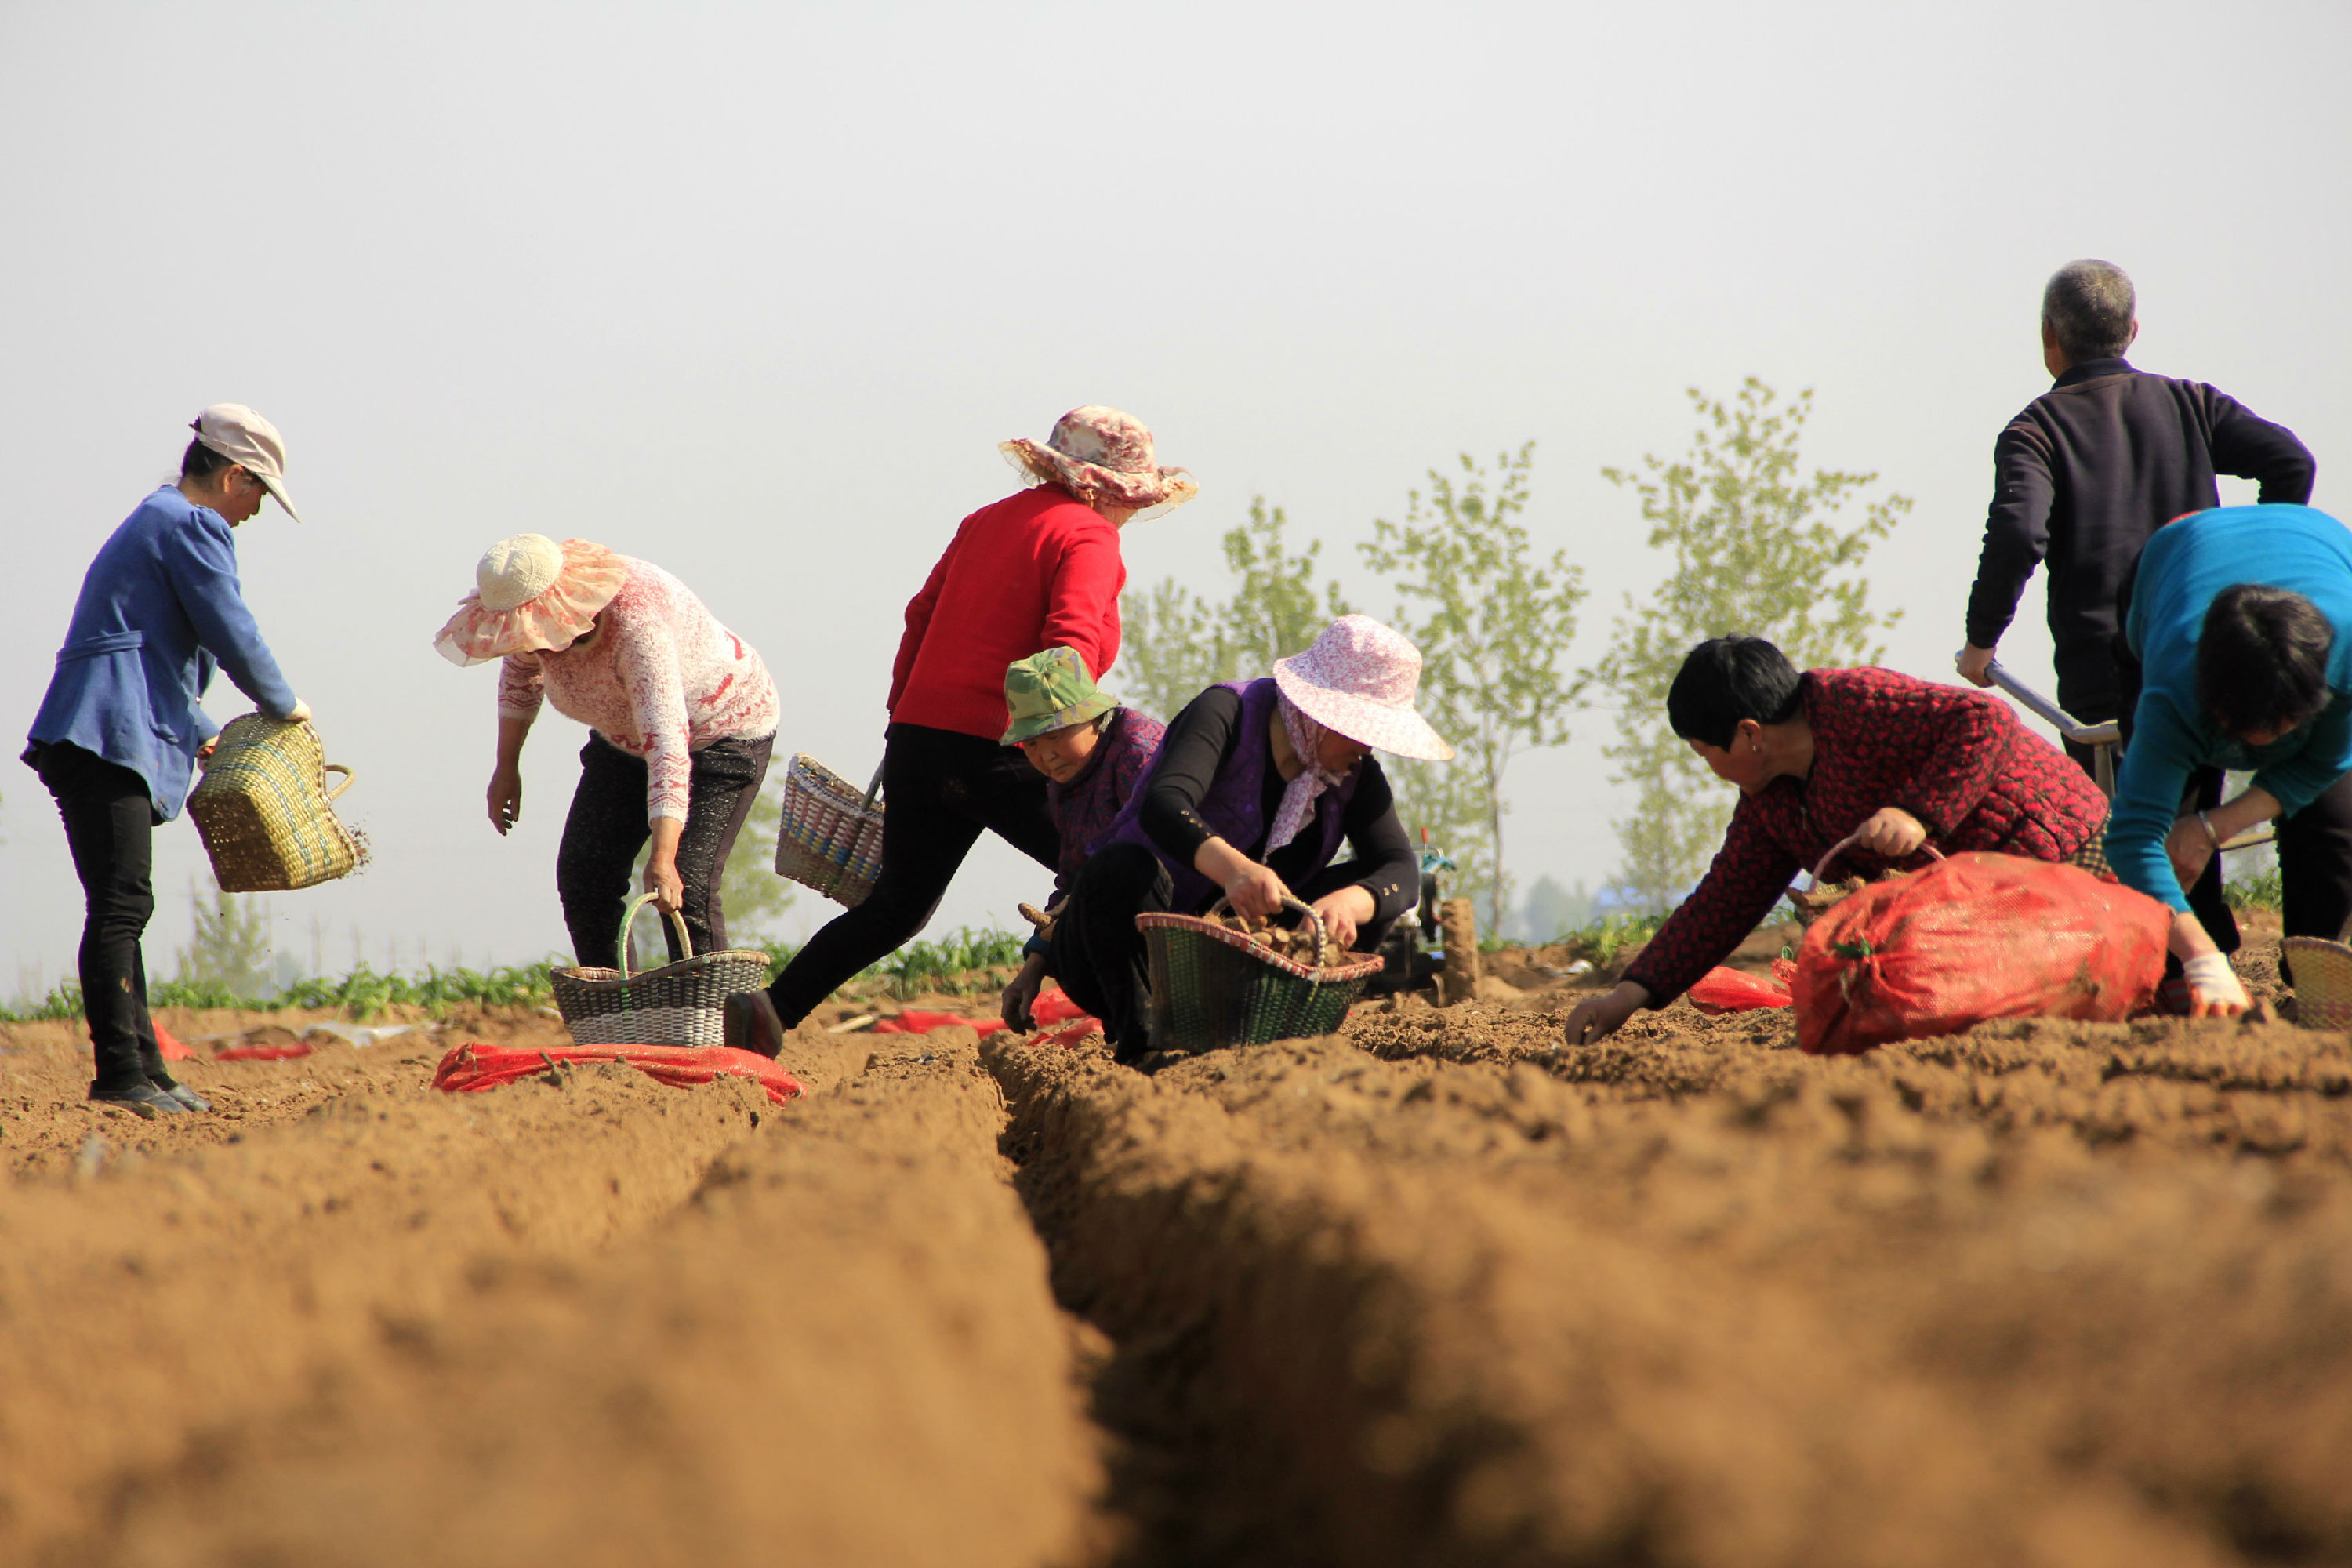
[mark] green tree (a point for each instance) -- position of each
(1493, 625)
(1175, 643)
(1753, 547)
(230, 946)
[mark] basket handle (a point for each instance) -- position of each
(1293, 902)
(1842, 845)
(336, 768)
(629, 918)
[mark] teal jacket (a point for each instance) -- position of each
(2185, 567)
(159, 607)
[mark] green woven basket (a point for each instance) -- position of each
(1213, 987)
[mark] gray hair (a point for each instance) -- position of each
(2089, 307)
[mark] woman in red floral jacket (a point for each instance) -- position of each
(1892, 762)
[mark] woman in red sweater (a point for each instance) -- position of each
(1881, 762)
(1039, 569)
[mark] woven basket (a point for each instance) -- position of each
(832, 835)
(1213, 987)
(262, 809)
(680, 1003)
(2323, 981)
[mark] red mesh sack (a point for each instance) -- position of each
(471, 1067)
(1722, 990)
(1974, 937)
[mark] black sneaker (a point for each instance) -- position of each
(748, 1022)
(188, 1098)
(140, 1099)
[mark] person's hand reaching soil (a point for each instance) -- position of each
(1597, 1017)
(1021, 996)
(2214, 989)
(1890, 831)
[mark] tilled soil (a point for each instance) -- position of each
(1440, 1289)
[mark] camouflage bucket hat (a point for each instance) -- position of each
(1048, 692)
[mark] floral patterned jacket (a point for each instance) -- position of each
(1957, 760)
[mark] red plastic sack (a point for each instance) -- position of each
(264, 1053)
(917, 1021)
(473, 1067)
(170, 1047)
(1722, 990)
(1974, 937)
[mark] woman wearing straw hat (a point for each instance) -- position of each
(681, 713)
(1094, 752)
(119, 731)
(1039, 569)
(1255, 788)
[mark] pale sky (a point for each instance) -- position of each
(753, 292)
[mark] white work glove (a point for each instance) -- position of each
(2213, 988)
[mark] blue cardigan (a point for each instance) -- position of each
(2185, 567)
(158, 607)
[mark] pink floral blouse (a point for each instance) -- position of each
(661, 678)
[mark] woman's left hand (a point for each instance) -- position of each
(2189, 848)
(1890, 831)
(664, 883)
(1343, 913)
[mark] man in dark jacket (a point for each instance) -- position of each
(2085, 476)
(2094, 467)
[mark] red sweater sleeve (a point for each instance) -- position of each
(1082, 601)
(1750, 874)
(918, 621)
(1973, 735)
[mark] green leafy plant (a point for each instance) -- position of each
(1493, 624)
(1753, 546)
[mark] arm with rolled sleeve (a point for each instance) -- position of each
(201, 560)
(1082, 601)
(522, 686)
(2165, 749)
(2017, 531)
(2324, 756)
(647, 662)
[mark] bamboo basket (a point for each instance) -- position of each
(265, 812)
(2323, 981)
(831, 839)
(1213, 987)
(680, 1003)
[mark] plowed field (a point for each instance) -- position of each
(1436, 1290)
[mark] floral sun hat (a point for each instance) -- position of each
(1359, 678)
(1103, 458)
(531, 594)
(1048, 692)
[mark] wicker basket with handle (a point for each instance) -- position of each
(2323, 981)
(1212, 986)
(832, 835)
(680, 1003)
(265, 812)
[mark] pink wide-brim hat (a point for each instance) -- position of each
(1104, 458)
(531, 594)
(1359, 678)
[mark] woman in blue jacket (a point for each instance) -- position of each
(2239, 628)
(119, 733)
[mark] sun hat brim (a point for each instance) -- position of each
(1038, 724)
(1399, 731)
(1145, 494)
(561, 613)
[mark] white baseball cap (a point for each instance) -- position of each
(251, 442)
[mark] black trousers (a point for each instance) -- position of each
(1099, 957)
(607, 827)
(943, 789)
(110, 829)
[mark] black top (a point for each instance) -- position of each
(2092, 467)
(1201, 737)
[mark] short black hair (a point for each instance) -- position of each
(2262, 659)
(1726, 679)
(201, 462)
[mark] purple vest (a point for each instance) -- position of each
(1235, 806)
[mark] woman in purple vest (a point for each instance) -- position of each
(1254, 787)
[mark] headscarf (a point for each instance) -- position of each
(1298, 795)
